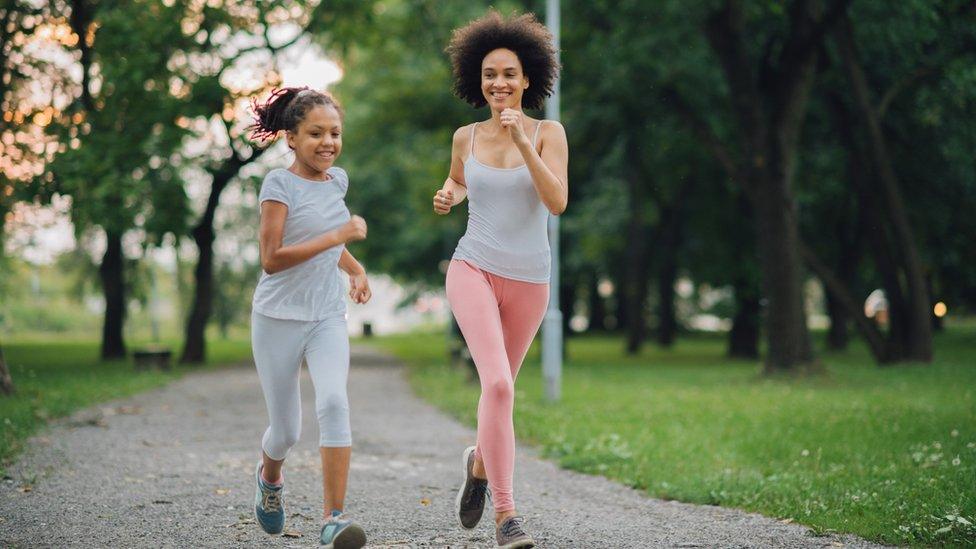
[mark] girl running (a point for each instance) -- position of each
(513, 171)
(299, 308)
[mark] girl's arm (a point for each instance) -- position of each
(454, 191)
(358, 283)
(276, 258)
(349, 265)
(550, 169)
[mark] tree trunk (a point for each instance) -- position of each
(837, 335)
(787, 338)
(667, 327)
(744, 336)
(769, 104)
(113, 288)
(634, 295)
(848, 237)
(195, 346)
(6, 382)
(917, 329)
(668, 244)
(567, 301)
(597, 306)
(636, 262)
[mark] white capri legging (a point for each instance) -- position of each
(279, 347)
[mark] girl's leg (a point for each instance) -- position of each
(475, 306)
(277, 347)
(327, 356)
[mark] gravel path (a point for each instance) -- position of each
(173, 468)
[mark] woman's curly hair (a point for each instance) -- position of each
(285, 110)
(524, 35)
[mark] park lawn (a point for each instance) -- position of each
(885, 453)
(55, 378)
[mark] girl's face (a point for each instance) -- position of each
(318, 140)
(502, 79)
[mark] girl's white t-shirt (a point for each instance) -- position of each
(311, 290)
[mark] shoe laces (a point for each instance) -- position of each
(271, 501)
(513, 527)
(477, 492)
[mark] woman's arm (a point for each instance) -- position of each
(454, 191)
(550, 169)
(276, 258)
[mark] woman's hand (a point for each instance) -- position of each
(443, 202)
(359, 288)
(353, 230)
(512, 119)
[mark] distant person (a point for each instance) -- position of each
(299, 308)
(513, 171)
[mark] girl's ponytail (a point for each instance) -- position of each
(270, 116)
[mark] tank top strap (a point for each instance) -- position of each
(535, 137)
(471, 150)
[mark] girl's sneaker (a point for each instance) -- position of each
(470, 501)
(511, 535)
(268, 508)
(341, 533)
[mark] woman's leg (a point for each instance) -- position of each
(475, 306)
(523, 306)
(327, 355)
(277, 346)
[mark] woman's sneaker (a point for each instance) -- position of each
(511, 535)
(470, 501)
(268, 508)
(341, 533)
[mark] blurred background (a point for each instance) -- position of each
(758, 187)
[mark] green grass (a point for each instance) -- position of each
(885, 453)
(55, 378)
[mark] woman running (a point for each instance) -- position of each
(299, 310)
(513, 171)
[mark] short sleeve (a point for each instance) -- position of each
(342, 178)
(274, 188)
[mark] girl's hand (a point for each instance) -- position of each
(359, 288)
(353, 230)
(443, 201)
(512, 119)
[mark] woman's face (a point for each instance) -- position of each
(318, 140)
(502, 79)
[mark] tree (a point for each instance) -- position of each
(115, 133)
(19, 21)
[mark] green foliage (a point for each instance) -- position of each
(884, 454)
(114, 171)
(397, 134)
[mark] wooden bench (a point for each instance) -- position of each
(157, 358)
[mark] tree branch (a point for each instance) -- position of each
(700, 128)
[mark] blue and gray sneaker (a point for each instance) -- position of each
(268, 509)
(341, 533)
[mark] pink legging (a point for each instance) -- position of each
(499, 318)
